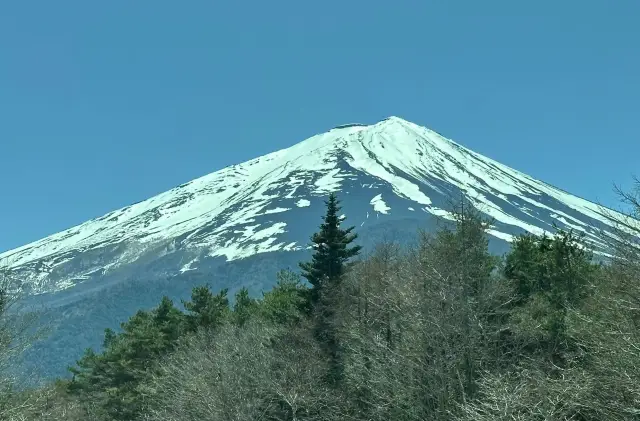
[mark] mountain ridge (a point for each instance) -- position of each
(217, 214)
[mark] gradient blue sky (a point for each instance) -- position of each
(103, 104)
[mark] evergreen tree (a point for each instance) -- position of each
(549, 276)
(331, 251)
(324, 272)
(206, 309)
(244, 307)
(285, 303)
(108, 381)
(558, 267)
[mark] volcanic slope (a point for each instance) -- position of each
(389, 171)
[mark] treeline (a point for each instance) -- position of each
(442, 330)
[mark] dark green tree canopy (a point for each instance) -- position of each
(543, 264)
(206, 309)
(109, 379)
(331, 250)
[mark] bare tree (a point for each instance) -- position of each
(49, 403)
(624, 241)
(601, 383)
(18, 331)
(376, 317)
(414, 327)
(256, 372)
(602, 378)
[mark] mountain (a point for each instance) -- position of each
(238, 225)
(395, 166)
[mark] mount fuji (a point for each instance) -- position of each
(236, 226)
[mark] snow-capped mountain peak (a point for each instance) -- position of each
(248, 208)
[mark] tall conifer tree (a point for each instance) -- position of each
(331, 251)
(324, 271)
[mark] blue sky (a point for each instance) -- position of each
(103, 104)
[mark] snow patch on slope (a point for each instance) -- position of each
(255, 242)
(276, 210)
(379, 205)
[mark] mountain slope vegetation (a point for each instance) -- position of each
(438, 330)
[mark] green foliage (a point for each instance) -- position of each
(206, 309)
(325, 271)
(244, 307)
(444, 332)
(551, 277)
(114, 384)
(109, 380)
(331, 251)
(523, 264)
(285, 303)
(462, 254)
(560, 267)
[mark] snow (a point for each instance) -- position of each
(501, 235)
(276, 228)
(276, 210)
(261, 241)
(188, 267)
(302, 203)
(329, 182)
(379, 205)
(296, 183)
(411, 161)
(289, 247)
(361, 160)
(440, 213)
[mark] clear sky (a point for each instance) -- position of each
(103, 104)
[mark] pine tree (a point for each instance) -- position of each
(206, 309)
(244, 307)
(109, 381)
(324, 272)
(549, 276)
(331, 251)
(285, 303)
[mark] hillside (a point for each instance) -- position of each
(236, 227)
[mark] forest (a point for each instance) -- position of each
(438, 330)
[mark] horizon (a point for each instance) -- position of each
(98, 118)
